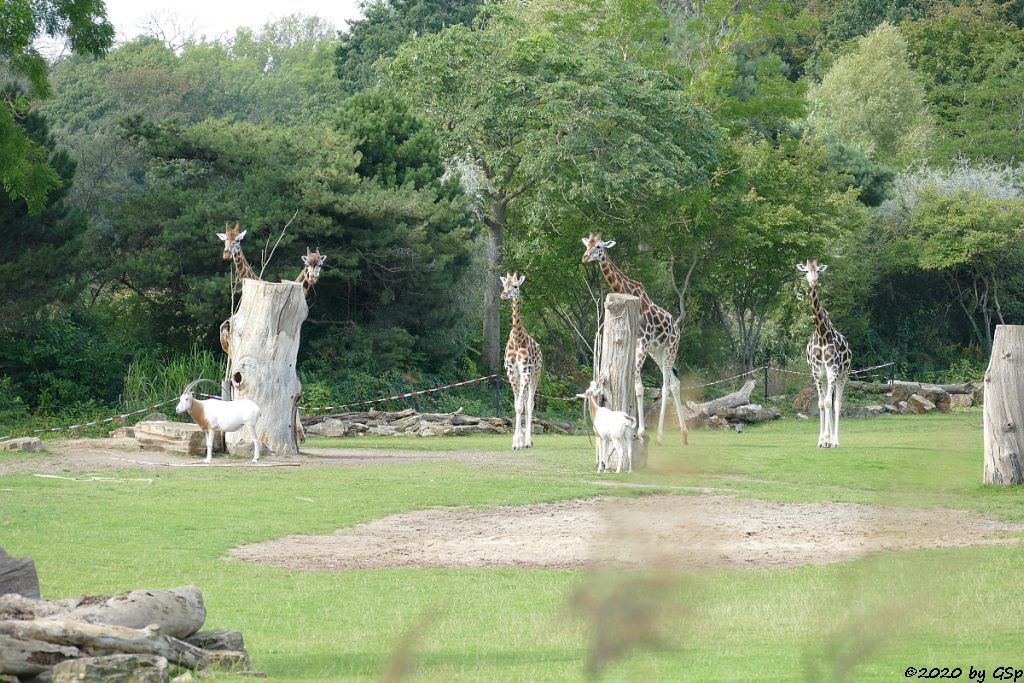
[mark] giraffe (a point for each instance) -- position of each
(312, 262)
(232, 240)
(659, 336)
(829, 356)
(523, 364)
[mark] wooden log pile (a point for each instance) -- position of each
(409, 422)
(141, 635)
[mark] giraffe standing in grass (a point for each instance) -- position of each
(523, 365)
(659, 336)
(829, 356)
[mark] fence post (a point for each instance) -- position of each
(766, 384)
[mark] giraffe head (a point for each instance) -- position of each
(595, 247)
(811, 270)
(232, 240)
(313, 260)
(510, 285)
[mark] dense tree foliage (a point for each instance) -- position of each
(24, 169)
(430, 145)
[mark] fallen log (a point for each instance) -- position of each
(28, 656)
(179, 612)
(733, 400)
(98, 640)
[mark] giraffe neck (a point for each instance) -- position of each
(822, 323)
(620, 283)
(518, 334)
(243, 267)
(304, 280)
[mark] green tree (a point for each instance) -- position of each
(392, 251)
(385, 25)
(972, 60)
(24, 170)
(874, 99)
(543, 126)
(781, 206)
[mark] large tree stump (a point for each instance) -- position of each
(1004, 408)
(616, 361)
(264, 348)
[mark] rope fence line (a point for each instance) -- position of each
(122, 416)
(421, 392)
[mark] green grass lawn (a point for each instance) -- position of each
(865, 620)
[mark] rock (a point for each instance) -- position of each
(902, 391)
(382, 430)
(695, 415)
(463, 420)
(889, 408)
(25, 444)
(18, 576)
(866, 412)
(958, 401)
(122, 433)
(180, 437)
(738, 426)
(356, 428)
(717, 422)
(432, 429)
(113, 669)
(537, 428)
(329, 427)
(154, 417)
(904, 408)
(218, 639)
(806, 401)
(979, 394)
(801, 416)
(225, 660)
(937, 395)
(919, 404)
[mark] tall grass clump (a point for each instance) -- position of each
(153, 378)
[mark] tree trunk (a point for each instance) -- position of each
(733, 400)
(1004, 409)
(97, 640)
(616, 361)
(492, 288)
(264, 348)
(179, 611)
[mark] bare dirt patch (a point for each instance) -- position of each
(684, 531)
(92, 455)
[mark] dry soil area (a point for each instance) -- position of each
(682, 531)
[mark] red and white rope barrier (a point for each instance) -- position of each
(396, 396)
(122, 416)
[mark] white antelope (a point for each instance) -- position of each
(613, 428)
(227, 416)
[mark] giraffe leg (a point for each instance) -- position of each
(666, 391)
(531, 392)
(840, 386)
(517, 399)
(829, 410)
(641, 355)
(821, 382)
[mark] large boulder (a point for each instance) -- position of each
(903, 391)
(329, 427)
(919, 404)
(957, 401)
(750, 414)
(179, 437)
(18, 576)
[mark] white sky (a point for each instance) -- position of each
(216, 17)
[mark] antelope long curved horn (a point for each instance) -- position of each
(193, 383)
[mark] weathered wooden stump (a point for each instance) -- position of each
(1004, 408)
(264, 348)
(615, 364)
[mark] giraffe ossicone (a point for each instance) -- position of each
(658, 336)
(829, 356)
(523, 364)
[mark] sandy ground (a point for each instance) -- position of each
(685, 531)
(92, 455)
(681, 531)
